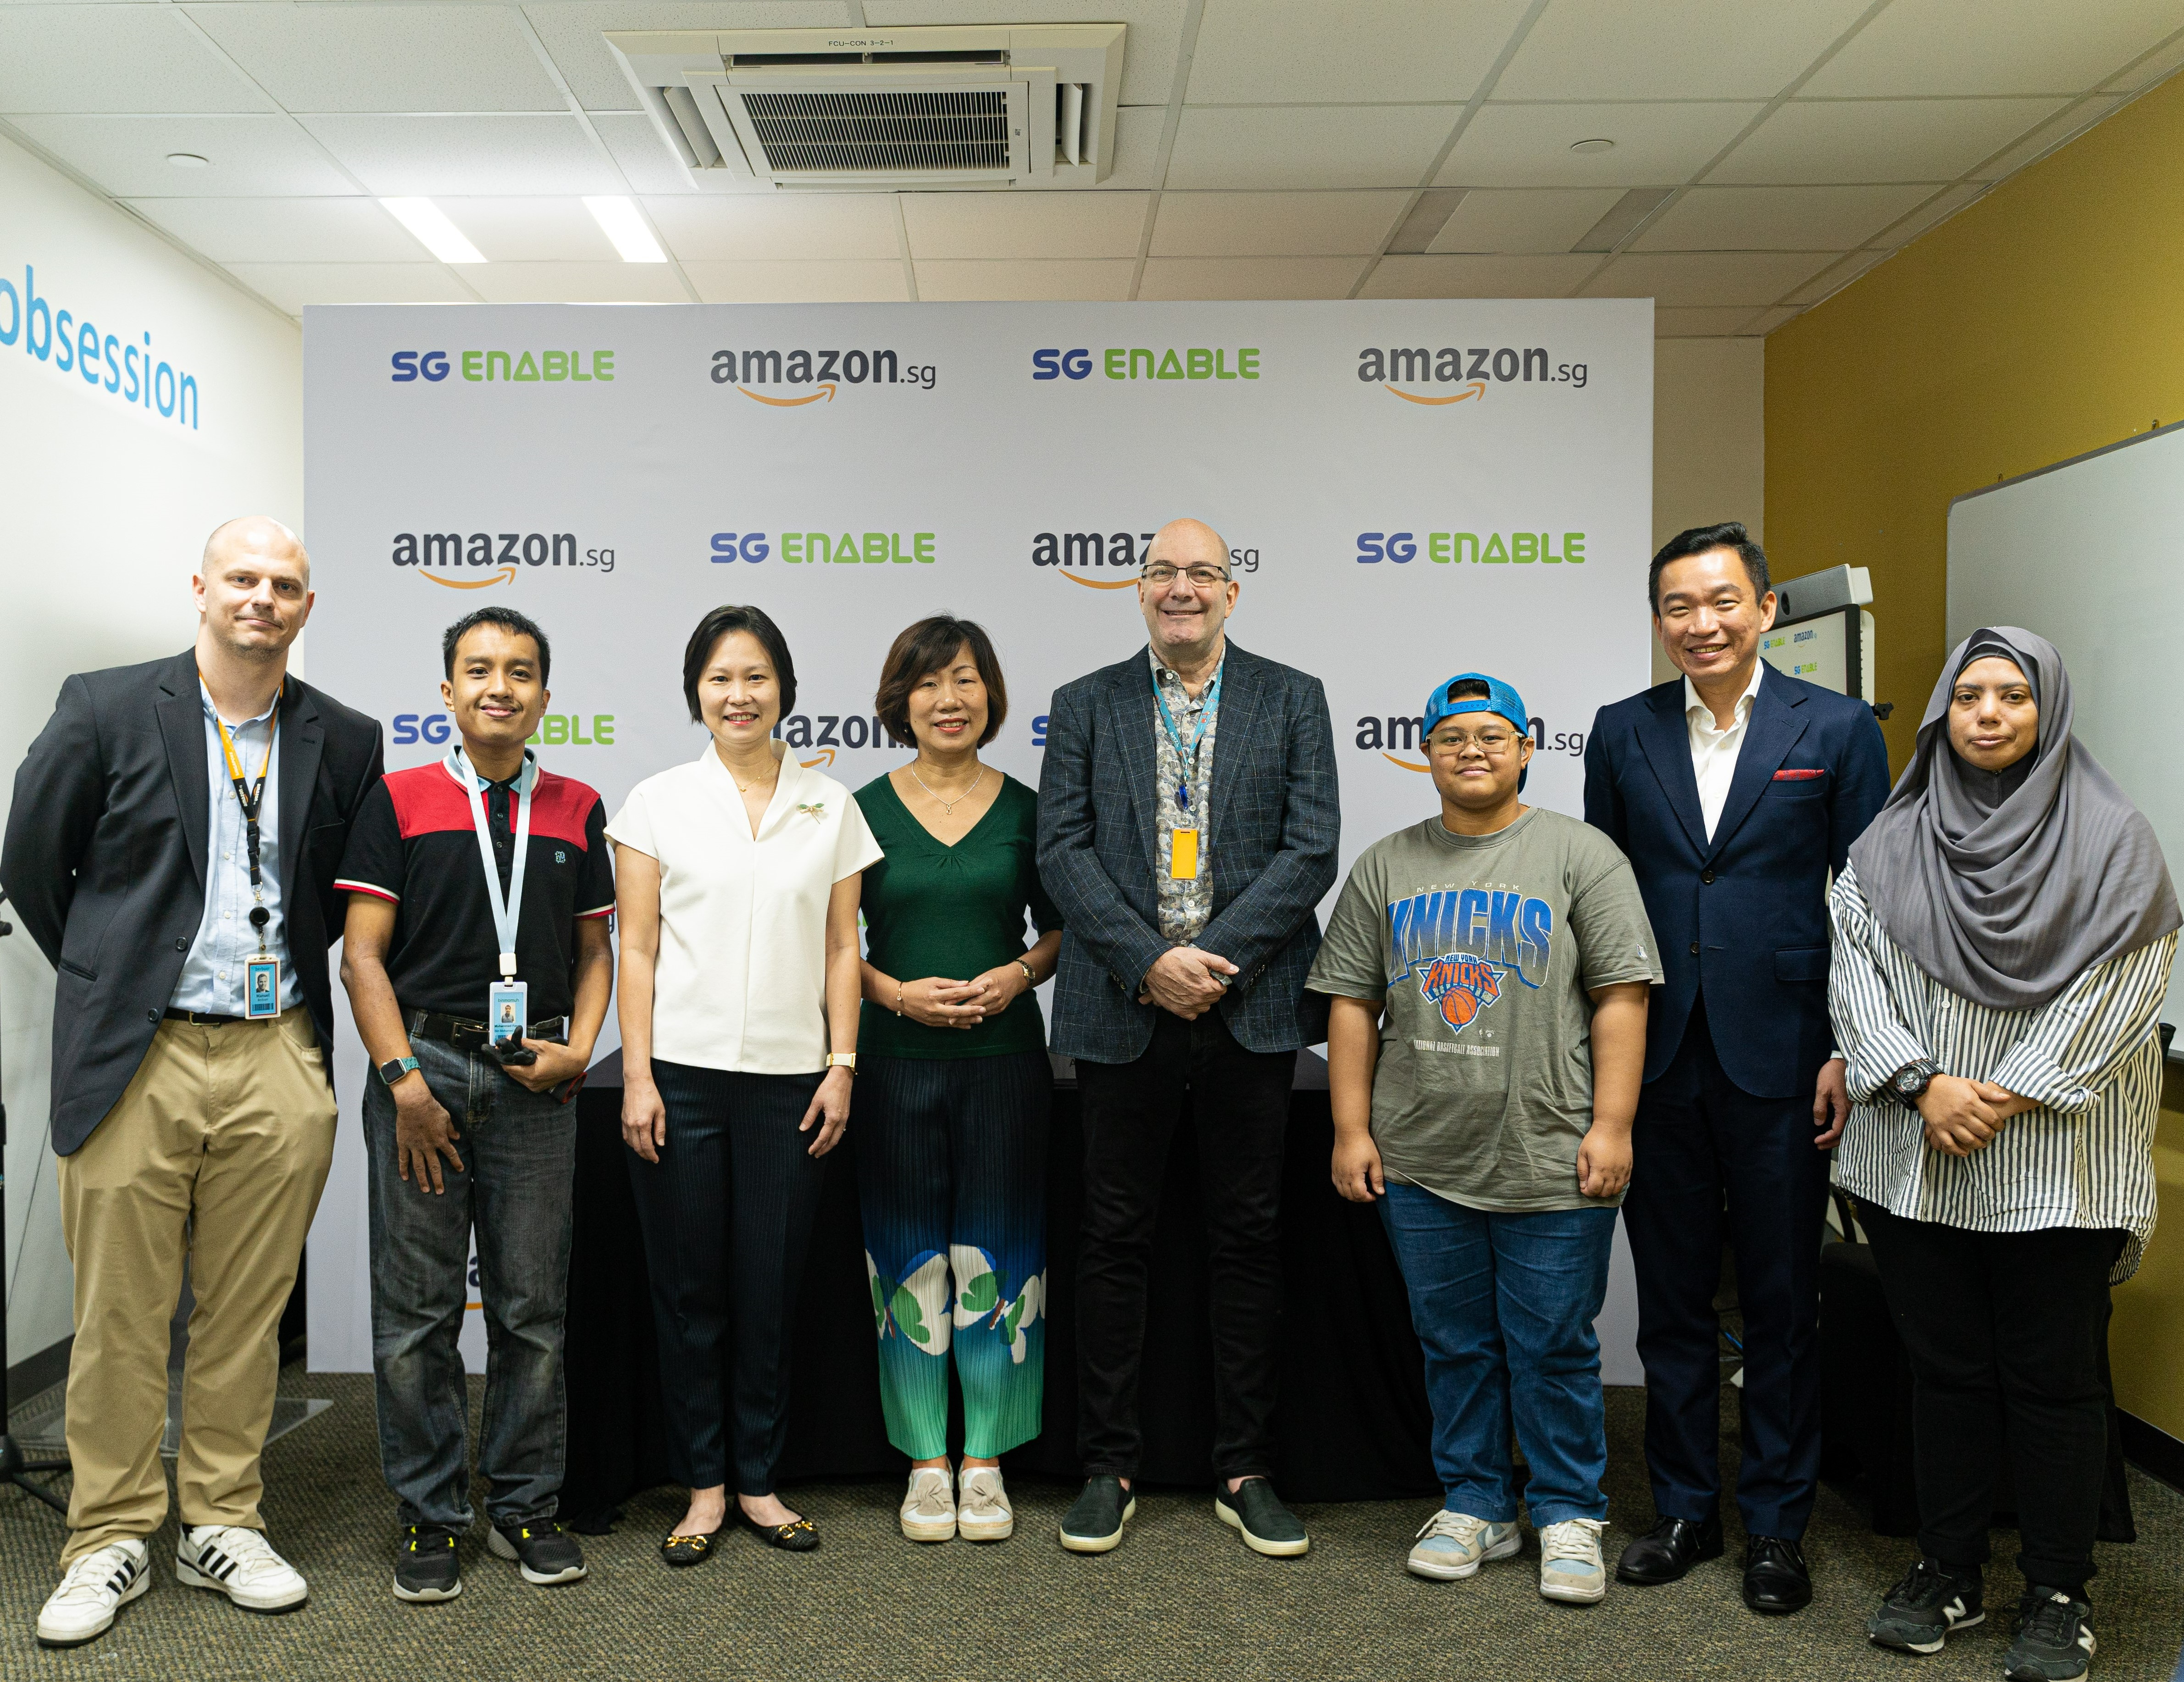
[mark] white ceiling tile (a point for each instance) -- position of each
(995, 225)
(644, 157)
(2075, 120)
(732, 228)
(531, 230)
(1693, 49)
(284, 230)
(1944, 205)
(1249, 277)
(1252, 52)
(1308, 145)
(1546, 275)
(574, 32)
(1088, 281)
(613, 282)
(1777, 218)
(1717, 323)
(1529, 145)
(1766, 321)
(1927, 46)
(1833, 278)
(326, 58)
(400, 156)
(1554, 218)
(113, 58)
(294, 285)
(1274, 223)
(1879, 140)
(2139, 77)
(1708, 278)
(1155, 30)
(244, 155)
(799, 282)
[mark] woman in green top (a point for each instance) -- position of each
(955, 1089)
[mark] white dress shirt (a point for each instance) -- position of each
(1714, 752)
(213, 975)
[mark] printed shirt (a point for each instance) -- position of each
(1714, 752)
(414, 843)
(1186, 906)
(2091, 1057)
(1483, 950)
(213, 975)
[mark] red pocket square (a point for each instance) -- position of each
(1797, 775)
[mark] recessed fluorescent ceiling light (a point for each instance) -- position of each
(434, 231)
(618, 219)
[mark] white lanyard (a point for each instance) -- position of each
(505, 909)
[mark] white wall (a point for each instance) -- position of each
(1709, 445)
(107, 507)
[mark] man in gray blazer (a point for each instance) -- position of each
(171, 848)
(1186, 871)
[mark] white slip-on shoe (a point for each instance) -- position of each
(928, 1510)
(1570, 1565)
(240, 1564)
(1452, 1546)
(983, 1513)
(92, 1591)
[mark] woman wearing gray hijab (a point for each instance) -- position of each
(2002, 939)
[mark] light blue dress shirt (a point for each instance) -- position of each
(212, 977)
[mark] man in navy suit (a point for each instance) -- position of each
(1733, 790)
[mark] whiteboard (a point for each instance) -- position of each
(2089, 553)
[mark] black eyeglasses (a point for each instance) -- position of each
(1201, 578)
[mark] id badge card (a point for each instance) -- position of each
(507, 1011)
(261, 989)
(1182, 856)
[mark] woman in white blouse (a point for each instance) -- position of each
(739, 979)
(2004, 937)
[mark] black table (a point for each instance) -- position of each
(1353, 1424)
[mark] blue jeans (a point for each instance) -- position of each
(1504, 1307)
(519, 1151)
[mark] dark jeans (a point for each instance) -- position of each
(1239, 1107)
(519, 1151)
(1701, 1139)
(2004, 1331)
(726, 1216)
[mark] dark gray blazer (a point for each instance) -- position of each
(1276, 821)
(105, 860)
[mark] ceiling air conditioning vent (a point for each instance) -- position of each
(748, 110)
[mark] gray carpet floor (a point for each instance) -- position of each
(1180, 1599)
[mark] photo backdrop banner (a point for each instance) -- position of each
(1407, 490)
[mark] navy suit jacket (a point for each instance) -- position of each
(1276, 820)
(1744, 915)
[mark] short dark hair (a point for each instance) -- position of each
(515, 623)
(1469, 689)
(925, 647)
(724, 621)
(1728, 535)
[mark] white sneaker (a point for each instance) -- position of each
(1454, 1545)
(983, 1510)
(92, 1591)
(240, 1564)
(929, 1511)
(1570, 1565)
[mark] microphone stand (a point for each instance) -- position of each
(15, 1467)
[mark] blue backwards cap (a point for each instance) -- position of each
(1499, 699)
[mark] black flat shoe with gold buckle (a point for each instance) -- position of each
(798, 1535)
(684, 1550)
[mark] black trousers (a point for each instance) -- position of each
(2005, 1332)
(726, 1216)
(1707, 1157)
(1239, 1103)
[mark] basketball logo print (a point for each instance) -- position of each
(1462, 987)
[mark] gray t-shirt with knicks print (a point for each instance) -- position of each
(1483, 948)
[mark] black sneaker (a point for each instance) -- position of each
(2054, 1638)
(1928, 1606)
(545, 1553)
(1094, 1524)
(1256, 1513)
(425, 1566)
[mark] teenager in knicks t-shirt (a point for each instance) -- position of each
(1490, 970)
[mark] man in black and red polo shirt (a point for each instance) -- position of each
(462, 1130)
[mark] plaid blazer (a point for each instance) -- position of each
(1275, 821)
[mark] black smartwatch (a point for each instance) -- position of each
(1909, 1083)
(394, 1068)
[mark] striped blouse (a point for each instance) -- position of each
(2091, 1057)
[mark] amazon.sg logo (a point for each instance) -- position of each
(1074, 554)
(803, 376)
(479, 559)
(1456, 374)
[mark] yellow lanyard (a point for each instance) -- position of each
(249, 797)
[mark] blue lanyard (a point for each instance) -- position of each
(1189, 756)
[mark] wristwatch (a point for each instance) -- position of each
(395, 1068)
(843, 1060)
(1909, 1083)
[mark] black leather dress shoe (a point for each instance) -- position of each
(1775, 1577)
(1668, 1550)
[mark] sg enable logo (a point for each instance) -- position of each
(555, 729)
(549, 367)
(1122, 363)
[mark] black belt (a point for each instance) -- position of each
(207, 1018)
(470, 1036)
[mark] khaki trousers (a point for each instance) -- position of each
(216, 1153)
